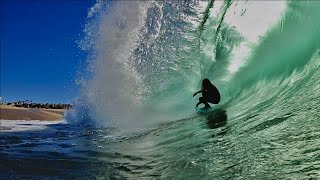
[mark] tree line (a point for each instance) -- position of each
(30, 104)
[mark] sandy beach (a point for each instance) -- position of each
(17, 113)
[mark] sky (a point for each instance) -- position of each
(39, 51)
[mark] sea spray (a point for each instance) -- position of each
(116, 87)
(136, 68)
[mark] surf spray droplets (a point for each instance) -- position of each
(116, 86)
(139, 60)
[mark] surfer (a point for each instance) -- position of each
(209, 92)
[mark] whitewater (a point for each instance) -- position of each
(135, 117)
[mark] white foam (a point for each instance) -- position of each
(25, 125)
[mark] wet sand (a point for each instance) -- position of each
(17, 113)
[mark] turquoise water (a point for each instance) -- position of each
(136, 119)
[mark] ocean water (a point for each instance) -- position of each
(135, 117)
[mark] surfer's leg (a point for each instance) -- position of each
(201, 100)
(206, 105)
(204, 101)
(198, 104)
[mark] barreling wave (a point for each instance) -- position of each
(147, 58)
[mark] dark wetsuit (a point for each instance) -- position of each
(211, 95)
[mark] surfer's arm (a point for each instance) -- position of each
(197, 93)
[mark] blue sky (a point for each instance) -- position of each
(39, 53)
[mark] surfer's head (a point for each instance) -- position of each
(206, 83)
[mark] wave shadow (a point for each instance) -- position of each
(217, 118)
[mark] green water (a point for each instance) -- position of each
(262, 56)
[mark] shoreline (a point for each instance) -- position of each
(21, 113)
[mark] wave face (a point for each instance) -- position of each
(146, 61)
(148, 58)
